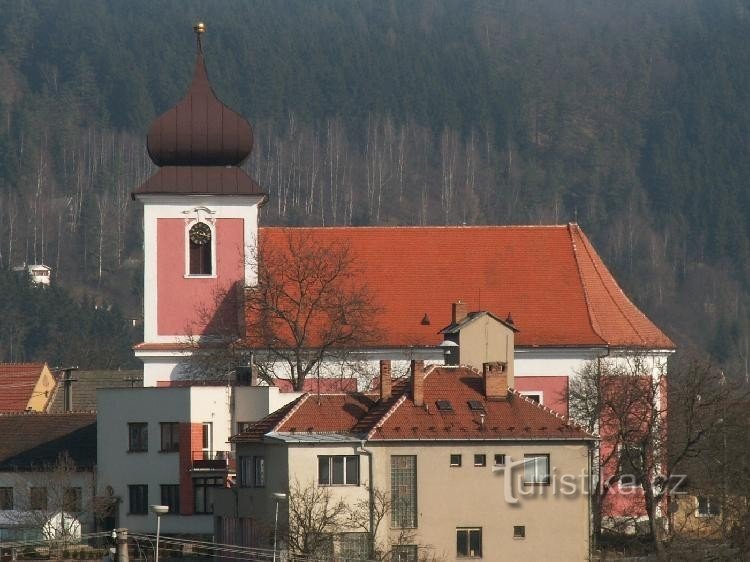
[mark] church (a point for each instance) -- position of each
(202, 237)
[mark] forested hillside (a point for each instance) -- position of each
(631, 118)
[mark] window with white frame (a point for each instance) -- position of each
(533, 395)
(536, 468)
(338, 470)
(200, 249)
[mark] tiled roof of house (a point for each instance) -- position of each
(17, 382)
(398, 418)
(86, 384)
(549, 278)
(35, 440)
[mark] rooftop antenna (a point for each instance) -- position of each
(200, 29)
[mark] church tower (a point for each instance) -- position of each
(200, 223)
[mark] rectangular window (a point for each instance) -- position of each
(203, 491)
(405, 553)
(404, 491)
(246, 471)
(6, 499)
(208, 439)
(469, 542)
(259, 465)
(170, 496)
(631, 464)
(137, 437)
(170, 437)
(499, 460)
(38, 498)
(138, 499)
(536, 469)
(519, 531)
(338, 470)
(243, 426)
(480, 460)
(708, 507)
(534, 396)
(352, 546)
(72, 500)
(455, 460)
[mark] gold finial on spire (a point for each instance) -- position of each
(200, 29)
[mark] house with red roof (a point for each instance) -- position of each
(472, 469)
(25, 387)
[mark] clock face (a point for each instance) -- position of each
(200, 233)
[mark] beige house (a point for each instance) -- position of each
(449, 464)
(25, 387)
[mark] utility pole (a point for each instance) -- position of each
(121, 544)
(67, 386)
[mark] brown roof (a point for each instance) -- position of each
(200, 130)
(17, 382)
(199, 180)
(32, 439)
(549, 278)
(398, 418)
(86, 384)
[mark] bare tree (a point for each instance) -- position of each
(630, 402)
(310, 304)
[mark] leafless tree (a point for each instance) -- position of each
(310, 303)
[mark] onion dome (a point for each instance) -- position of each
(200, 130)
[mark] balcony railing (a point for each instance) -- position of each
(213, 460)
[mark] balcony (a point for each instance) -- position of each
(213, 461)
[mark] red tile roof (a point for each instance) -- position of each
(550, 278)
(17, 382)
(398, 418)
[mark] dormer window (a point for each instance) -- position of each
(199, 238)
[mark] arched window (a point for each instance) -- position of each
(200, 249)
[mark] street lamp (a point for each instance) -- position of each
(159, 510)
(280, 497)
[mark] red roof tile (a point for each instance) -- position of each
(549, 277)
(398, 418)
(17, 382)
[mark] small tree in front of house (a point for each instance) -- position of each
(649, 427)
(310, 306)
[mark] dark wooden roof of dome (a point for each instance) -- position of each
(200, 130)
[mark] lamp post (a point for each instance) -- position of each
(280, 497)
(159, 510)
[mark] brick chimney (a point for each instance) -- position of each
(460, 311)
(417, 382)
(495, 377)
(385, 379)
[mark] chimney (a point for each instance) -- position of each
(495, 377)
(417, 382)
(385, 379)
(459, 311)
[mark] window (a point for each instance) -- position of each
(631, 464)
(242, 427)
(469, 542)
(170, 437)
(203, 491)
(499, 460)
(404, 491)
(476, 406)
(138, 499)
(533, 395)
(352, 545)
(38, 498)
(72, 500)
(338, 470)
(6, 498)
(455, 460)
(208, 439)
(137, 437)
(536, 469)
(200, 249)
(170, 496)
(708, 507)
(252, 472)
(519, 531)
(405, 553)
(444, 405)
(480, 460)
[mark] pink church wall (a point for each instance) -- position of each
(554, 389)
(189, 305)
